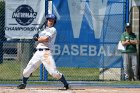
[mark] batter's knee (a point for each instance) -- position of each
(56, 74)
(26, 73)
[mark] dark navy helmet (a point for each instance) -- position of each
(51, 16)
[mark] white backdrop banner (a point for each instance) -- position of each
(23, 18)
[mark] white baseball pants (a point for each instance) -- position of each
(46, 58)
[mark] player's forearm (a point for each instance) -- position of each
(128, 42)
(43, 39)
(133, 41)
(125, 42)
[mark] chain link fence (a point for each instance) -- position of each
(15, 54)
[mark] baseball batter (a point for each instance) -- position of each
(45, 40)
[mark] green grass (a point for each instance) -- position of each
(80, 73)
(9, 70)
(12, 70)
(11, 73)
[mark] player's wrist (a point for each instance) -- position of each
(35, 38)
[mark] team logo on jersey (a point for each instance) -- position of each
(24, 15)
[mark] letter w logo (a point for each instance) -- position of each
(94, 12)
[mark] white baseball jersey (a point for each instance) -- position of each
(48, 32)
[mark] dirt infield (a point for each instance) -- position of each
(82, 89)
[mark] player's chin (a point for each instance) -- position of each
(50, 25)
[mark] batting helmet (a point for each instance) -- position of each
(51, 16)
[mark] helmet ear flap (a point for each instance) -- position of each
(54, 22)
